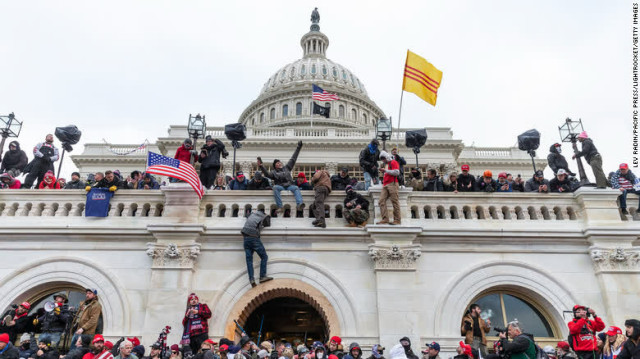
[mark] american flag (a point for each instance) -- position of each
(319, 94)
(161, 165)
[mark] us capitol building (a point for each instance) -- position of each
(519, 255)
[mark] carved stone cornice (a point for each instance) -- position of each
(173, 256)
(394, 258)
(615, 259)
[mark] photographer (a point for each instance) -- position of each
(582, 331)
(521, 346)
(210, 160)
(416, 180)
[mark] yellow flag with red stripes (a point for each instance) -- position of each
(421, 78)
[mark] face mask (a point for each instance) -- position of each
(319, 355)
(559, 149)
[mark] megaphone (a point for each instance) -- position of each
(49, 306)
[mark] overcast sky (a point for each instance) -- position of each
(126, 70)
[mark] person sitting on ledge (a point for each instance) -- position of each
(302, 182)
(282, 180)
(356, 208)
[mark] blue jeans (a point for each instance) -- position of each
(293, 188)
(623, 198)
(73, 341)
(53, 337)
(367, 180)
(253, 244)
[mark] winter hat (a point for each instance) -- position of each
(385, 155)
(208, 138)
(25, 338)
(135, 341)
(583, 134)
(336, 339)
(263, 354)
(602, 337)
(301, 175)
(4, 337)
(466, 349)
(561, 172)
(348, 188)
(108, 345)
(49, 174)
(191, 296)
(549, 350)
(487, 173)
(405, 339)
(397, 352)
(624, 166)
(257, 175)
(464, 167)
(97, 338)
(175, 348)
(25, 305)
(564, 346)
(613, 330)
(138, 350)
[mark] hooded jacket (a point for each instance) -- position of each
(582, 332)
(340, 183)
(481, 186)
(254, 224)
(282, 177)
(369, 161)
(53, 185)
(184, 154)
(631, 349)
(212, 160)
(13, 183)
(556, 160)
(356, 199)
(153, 184)
(9, 352)
(350, 355)
(407, 350)
(14, 158)
(305, 185)
(79, 184)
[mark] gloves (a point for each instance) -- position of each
(88, 188)
(113, 188)
(225, 154)
(56, 311)
(299, 144)
(35, 321)
(467, 326)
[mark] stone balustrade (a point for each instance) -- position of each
(417, 207)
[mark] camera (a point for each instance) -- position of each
(500, 330)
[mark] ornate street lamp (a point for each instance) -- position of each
(383, 130)
(197, 128)
(569, 133)
(10, 127)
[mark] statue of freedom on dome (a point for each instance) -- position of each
(315, 16)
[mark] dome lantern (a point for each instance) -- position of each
(314, 43)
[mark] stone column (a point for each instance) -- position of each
(403, 195)
(395, 255)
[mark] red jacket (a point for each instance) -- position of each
(204, 313)
(183, 154)
(393, 165)
(584, 340)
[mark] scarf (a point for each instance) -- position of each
(193, 322)
(372, 149)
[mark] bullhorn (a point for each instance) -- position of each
(49, 306)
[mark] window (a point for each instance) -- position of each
(335, 72)
(261, 117)
(313, 69)
(272, 114)
(253, 121)
(504, 307)
(285, 110)
(299, 109)
(344, 75)
(303, 70)
(341, 111)
(364, 119)
(324, 70)
(354, 114)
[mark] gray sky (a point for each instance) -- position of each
(126, 70)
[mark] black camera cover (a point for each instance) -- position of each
(416, 138)
(69, 134)
(235, 131)
(529, 140)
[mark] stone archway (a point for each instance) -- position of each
(278, 288)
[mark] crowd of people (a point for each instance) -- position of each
(584, 341)
(378, 167)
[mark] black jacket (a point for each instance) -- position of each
(464, 182)
(212, 160)
(450, 187)
(433, 184)
(55, 323)
(555, 184)
(407, 350)
(263, 185)
(369, 161)
(588, 150)
(556, 160)
(339, 183)
(629, 350)
(282, 176)
(14, 158)
(104, 183)
(481, 186)
(532, 185)
(10, 353)
(75, 185)
(356, 199)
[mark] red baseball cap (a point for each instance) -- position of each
(26, 305)
(465, 167)
(209, 341)
(563, 345)
(224, 348)
(4, 337)
(613, 331)
(336, 339)
(97, 338)
(108, 345)
(502, 174)
(624, 166)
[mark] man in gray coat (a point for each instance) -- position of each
(252, 243)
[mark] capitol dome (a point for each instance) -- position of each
(285, 99)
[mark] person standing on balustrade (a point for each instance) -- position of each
(195, 323)
(390, 189)
(210, 160)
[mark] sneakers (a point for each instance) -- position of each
(384, 221)
(315, 221)
(624, 211)
(321, 224)
(300, 207)
(351, 224)
(279, 212)
(265, 279)
(253, 283)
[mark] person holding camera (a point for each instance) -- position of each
(537, 183)
(520, 347)
(582, 331)
(474, 328)
(210, 160)
(252, 243)
(560, 183)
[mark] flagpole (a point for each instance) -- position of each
(399, 119)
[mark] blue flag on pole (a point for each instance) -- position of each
(98, 200)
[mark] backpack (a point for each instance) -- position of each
(540, 354)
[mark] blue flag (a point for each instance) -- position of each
(98, 202)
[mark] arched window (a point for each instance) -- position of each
(313, 69)
(303, 70)
(253, 121)
(335, 72)
(299, 109)
(324, 70)
(285, 110)
(344, 75)
(502, 307)
(341, 111)
(261, 117)
(272, 114)
(364, 119)
(354, 114)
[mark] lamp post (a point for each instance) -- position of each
(569, 133)
(11, 127)
(383, 130)
(197, 128)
